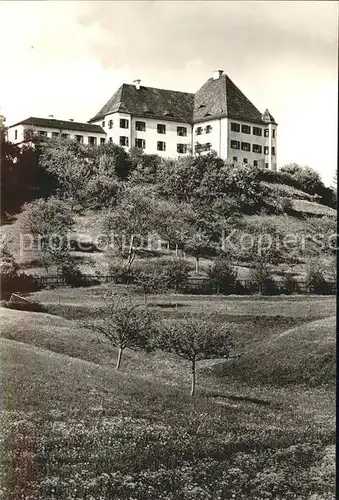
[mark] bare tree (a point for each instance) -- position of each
(124, 323)
(194, 339)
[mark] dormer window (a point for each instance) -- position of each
(167, 113)
(202, 105)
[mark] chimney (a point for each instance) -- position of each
(71, 119)
(217, 74)
(137, 84)
(50, 116)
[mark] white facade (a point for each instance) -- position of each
(16, 134)
(146, 129)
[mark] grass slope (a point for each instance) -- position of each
(74, 429)
(304, 354)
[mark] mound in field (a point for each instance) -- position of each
(305, 355)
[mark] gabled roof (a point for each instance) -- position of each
(221, 97)
(217, 98)
(61, 124)
(170, 105)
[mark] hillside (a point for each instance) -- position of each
(83, 429)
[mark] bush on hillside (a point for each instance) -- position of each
(316, 282)
(290, 285)
(121, 274)
(222, 275)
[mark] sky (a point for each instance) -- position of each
(67, 58)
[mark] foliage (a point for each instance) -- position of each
(11, 279)
(176, 273)
(261, 279)
(150, 281)
(124, 324)
(290, 284)
(199, 246)
(72, 274)
(315, 280)
(222, 275)
(306, 176)
(194, 339)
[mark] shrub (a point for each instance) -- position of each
(72, 274)
(176, 272)
(290, 285)
(17, 283)
(316, 282)
(121, 273)
(222, 275)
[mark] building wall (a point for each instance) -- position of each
(263, 160)
(150, 135)
(49, 133)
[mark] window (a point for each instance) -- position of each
(246, 146)
(235, 127)
(161, 146)
(266, 132)
(110, 124)
(208, 129)
(141, 126)
(245, 129)
(273, 133)
(140, 143)
(235, 144)
(55, 134)
(182, 131)
(111, 139)
(123, 123)
(42, 133)
(255, 163)
(102, 140)
(257, 131)
(273, 151)
(161, 128)
(266, 165)
(198, 130)
(15, 134)
(181, 148)
(65, 136)
(79, 138)
(256, 148)
(235, 158)
(92, 140)
(266, 150)
(103, 124)
(123, 140)
(245, 160)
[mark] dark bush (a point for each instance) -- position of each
(17, 283)
(317, 284)
(121, 274)
(290, 285)
(73, 276)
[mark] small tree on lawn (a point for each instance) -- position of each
(199, 247)
(222, 274)
(124, 324)
(194, 339)
(177, 272)
(150, 282)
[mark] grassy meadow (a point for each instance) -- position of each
(261, 426)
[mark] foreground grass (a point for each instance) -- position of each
(74, 428)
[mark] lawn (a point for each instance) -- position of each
(74, 428)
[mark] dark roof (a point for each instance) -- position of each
(150, 102)
(61, 124)
(215, 99)
(267, 117)
(220, 98)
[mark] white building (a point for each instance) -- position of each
(218, 117)
(169, 123)
(86, 133)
